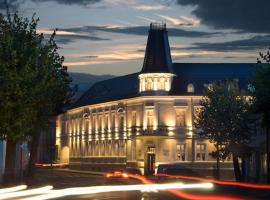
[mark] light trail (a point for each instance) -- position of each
(24, 193)
(51, 194)
(13, 189)
(186, 195)
(231, 183)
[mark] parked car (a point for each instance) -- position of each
(176, 169)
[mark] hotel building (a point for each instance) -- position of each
(141, 120)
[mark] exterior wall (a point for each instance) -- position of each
(255, 164)
(123, 134)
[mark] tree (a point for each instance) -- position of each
(34, 84)
(223, 119)
(261, 94)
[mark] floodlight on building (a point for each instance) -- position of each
(171, 133)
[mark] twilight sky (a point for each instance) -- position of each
(109, 36)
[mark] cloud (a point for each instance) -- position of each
(15, 4)
(246, 15)
(71, 2)
(141, 30)
(182, 21)
(107, 57)
(12, 4)
(253, 43)
(114, 54)
(149, 8)
(66, 37)
(119, 54)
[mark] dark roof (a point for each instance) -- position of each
(197, 74)
(200, 74)
(157, 54)
(111, 89)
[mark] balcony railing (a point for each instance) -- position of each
(159, 130)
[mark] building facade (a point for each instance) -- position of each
(145, 119)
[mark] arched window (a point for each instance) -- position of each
(190, 88)
(121, 119)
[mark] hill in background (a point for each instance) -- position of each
(82, 82)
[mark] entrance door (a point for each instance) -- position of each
(151, 160)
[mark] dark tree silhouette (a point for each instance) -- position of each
(261, 93)
(223, 119)
(34, 84)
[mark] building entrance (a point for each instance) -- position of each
(151, 159)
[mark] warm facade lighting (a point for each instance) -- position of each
(155, 82)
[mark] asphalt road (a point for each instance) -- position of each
(61, 180)
(124, 196)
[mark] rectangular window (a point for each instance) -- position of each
(112, 121)
(201, 152)
(99, 122)
(149, 84)
(180, 118)
(181, 152)
(94, 124)
(150, 118)
(106, 123)
(133, 121)
(162, 84)
(121, 123)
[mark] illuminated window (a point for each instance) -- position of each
(99, 122)
(190, 88)
(94, 124)
(201, 152)
(121, 123)
(180, 118)
(106, 122)
(102, 144)
(116, 148)
(181, 152)
(122, 148)
(97, 147)
(112, 121)
(149, 118)
(109, 148)
(149, 84)
(86, 126)
(162, 84)
(133, 121)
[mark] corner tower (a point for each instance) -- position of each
(157, 73)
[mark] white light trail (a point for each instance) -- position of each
(37, 191)
(51, 194)
(13, 189)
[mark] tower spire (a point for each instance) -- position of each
(157, 55)
(157, 73)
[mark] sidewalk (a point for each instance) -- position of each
(150, 178)
(80, 171)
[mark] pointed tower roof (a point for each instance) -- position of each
(157, 55)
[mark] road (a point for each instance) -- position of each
(64, 179)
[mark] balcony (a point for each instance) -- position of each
(159, 130)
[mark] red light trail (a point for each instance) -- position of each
(186, 195)
(231, 183)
